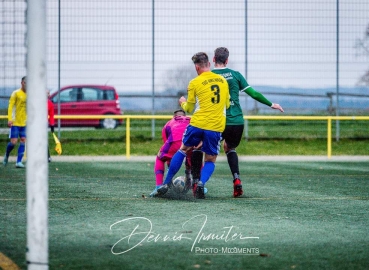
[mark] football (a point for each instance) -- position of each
(179, 184)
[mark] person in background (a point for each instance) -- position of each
(235, 123)
(17, 118)
(51, 120)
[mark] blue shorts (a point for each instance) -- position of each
(210, 139)
(16, 131)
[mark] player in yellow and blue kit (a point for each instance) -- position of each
(17, 118)
(210, 93)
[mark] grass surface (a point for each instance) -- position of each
(103, 142)
(306, 215)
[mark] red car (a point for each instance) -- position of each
(88, 100)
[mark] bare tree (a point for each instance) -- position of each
(362, 46)
(176, 80)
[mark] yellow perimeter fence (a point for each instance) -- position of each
(128, 118)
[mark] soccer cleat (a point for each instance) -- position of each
(49, 159)
(5, 161)
(154, 193)
(162, 190)
(237, 188)
(19, 165)
(199, 191)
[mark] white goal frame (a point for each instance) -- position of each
(37, 165)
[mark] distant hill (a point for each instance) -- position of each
(294, 100)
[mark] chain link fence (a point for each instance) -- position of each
(298, 53)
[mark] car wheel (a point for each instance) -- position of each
(108, 123)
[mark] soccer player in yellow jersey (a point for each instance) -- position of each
(17, 117)
(209, 91)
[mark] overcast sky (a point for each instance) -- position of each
(290, 43)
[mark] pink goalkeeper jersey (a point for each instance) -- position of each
(174, 128)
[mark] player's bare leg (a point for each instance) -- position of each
(188, 173)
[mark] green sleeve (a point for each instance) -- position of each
(257, 96)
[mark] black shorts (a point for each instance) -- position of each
(232, 135)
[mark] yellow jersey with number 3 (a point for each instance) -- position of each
(210, 92)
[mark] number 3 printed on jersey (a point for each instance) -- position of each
(216, 98)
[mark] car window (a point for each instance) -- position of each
(67, 95)
(109, 95)
(84, 94)
(91, 94)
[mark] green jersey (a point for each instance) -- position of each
(237, 83)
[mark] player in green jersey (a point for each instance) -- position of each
(235, 123)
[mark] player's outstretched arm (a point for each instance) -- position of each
(185, 105)
(277, 107)
(259, 97)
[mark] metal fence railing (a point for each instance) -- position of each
(128, 118)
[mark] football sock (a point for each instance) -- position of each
(175, 165)
(232, 158)
(9, 148)
(207, 171)
(20, 152)
(188, 174)
(159, 171)
(188, 167)
(196, 163)
(188, 162)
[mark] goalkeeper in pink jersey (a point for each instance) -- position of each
(172, 134)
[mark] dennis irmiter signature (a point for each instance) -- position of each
(143, 233)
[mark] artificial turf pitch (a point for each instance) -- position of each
(293, 215)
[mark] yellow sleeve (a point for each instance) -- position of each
(188, 106)
(11, 105)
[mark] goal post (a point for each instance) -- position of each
(37, 164)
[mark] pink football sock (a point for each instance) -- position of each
(159, 171)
